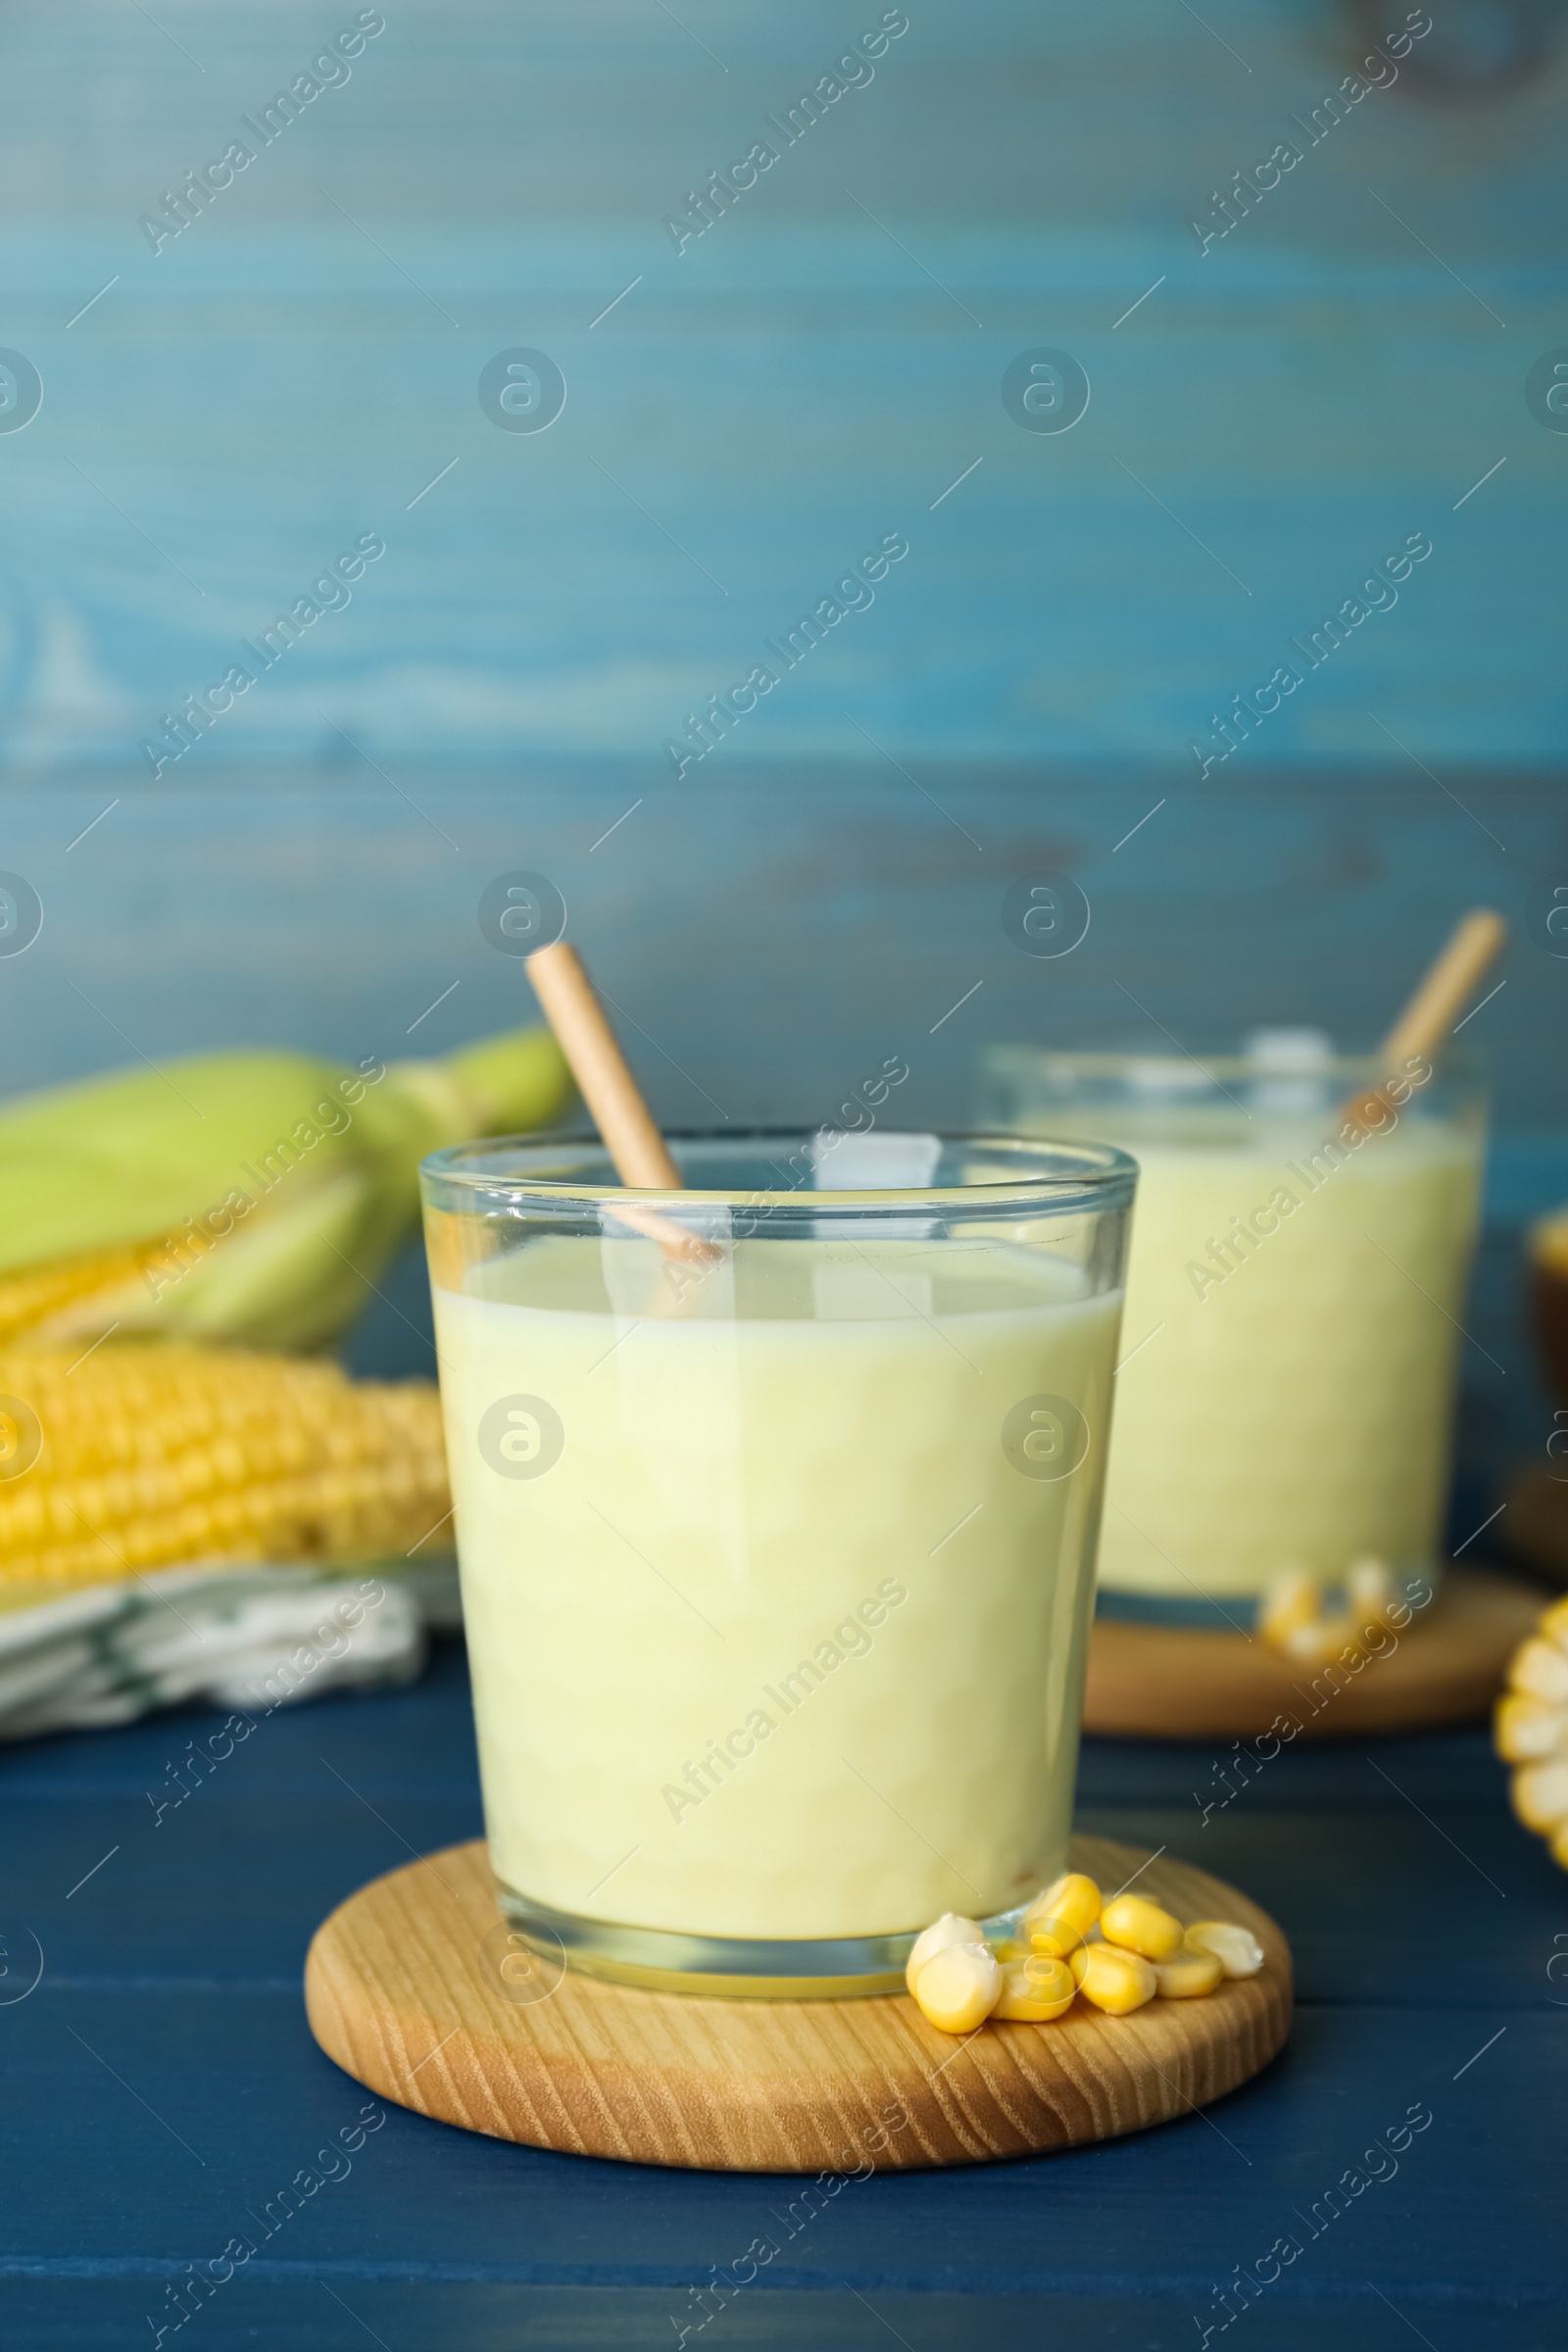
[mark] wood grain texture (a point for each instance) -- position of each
(400, 1991)
(760, 405)
(1156, 1681)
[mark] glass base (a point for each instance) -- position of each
(739, 1968)
(1236, 1612)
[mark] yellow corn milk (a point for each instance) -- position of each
(1290, 1337)
(776, 1602)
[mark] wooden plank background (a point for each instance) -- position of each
(303, 358)
(300, 362)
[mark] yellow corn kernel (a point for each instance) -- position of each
(1540, 1669)
(1323, 1640)
(1539, 1795)
(1555, 1623)
(1053, 1939)
(1186, 1975)
(1036, 1989)
(952, 1928)
(1060, 1918)
(1293, 1600)
(1236, 1948)
(1113, 1979)
(1140, 1925)
(958, 1987)
(1527, 1728)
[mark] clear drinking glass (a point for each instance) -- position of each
(1295, 1296)
(777, 1556)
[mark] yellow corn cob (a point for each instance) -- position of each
(63, 1290)
(146, 1456)
(1530, 1729)
(247, 1198)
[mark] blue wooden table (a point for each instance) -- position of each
(161, 2089)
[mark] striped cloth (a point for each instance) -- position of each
(253, 1638)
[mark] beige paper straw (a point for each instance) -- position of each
(639, 1152)
(1424, 1026)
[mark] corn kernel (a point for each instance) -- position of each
(1140, 1925)
(1236, 1948)
(1555, 1623)
(1060, 1918)
(1370, 1588)
(1186, 1975)
(1324, 1639)
(1036, 1989)
(958, 1987)
(952, 1928)
(1541, 1668)
(1292, 1602)
(1053, 1939)
(1528, 1729)
(1114, 1980)
(1539, 1795)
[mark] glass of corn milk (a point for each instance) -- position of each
(1294, 1295)
(777, 1556)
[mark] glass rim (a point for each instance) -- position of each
(1460, 1065)
(1049, 1175)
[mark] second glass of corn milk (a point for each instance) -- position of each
(1295, 1299)
(776, 1509)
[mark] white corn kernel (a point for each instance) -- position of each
(1187, 1976)
(958, 1987)
(1236, 1948)
(952, 1928)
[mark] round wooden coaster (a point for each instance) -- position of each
(1159, 1682)
(404, 1989)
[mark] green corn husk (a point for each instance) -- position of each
(250, 1197)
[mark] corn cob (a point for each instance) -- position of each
(1532, 1729)
(147, 1456)
(54, 1295)
(250, 1197)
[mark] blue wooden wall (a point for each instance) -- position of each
(300, 366)
(295, 365)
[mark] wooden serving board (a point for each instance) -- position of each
(1159, 1682)
(403, 1990)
